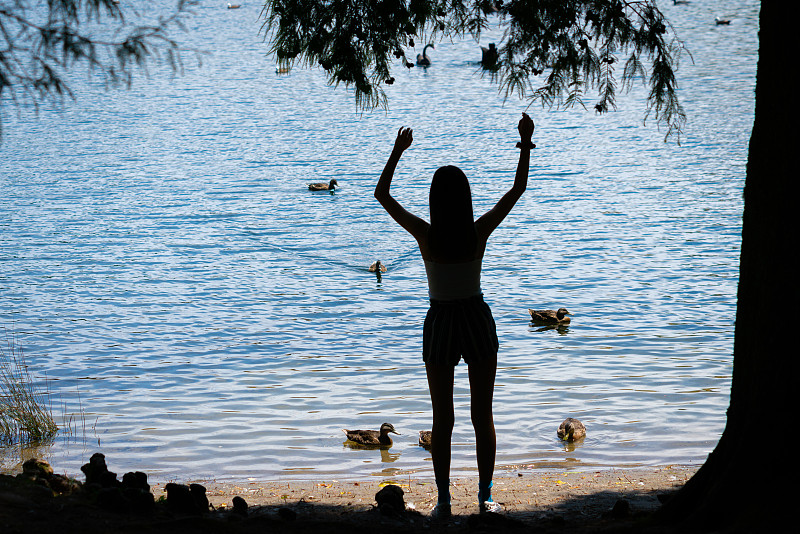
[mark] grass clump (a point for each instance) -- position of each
(25, 416)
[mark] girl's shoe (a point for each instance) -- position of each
(490, 507)
(441, 512)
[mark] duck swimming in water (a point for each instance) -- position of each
(550, 316)
(489, 56)
(422, 59)
(377, 267)
(372, 438)
(330, 186)
(571, 430)
(425, 439)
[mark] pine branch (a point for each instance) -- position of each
(38, 50)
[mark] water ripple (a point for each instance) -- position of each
(163, 262)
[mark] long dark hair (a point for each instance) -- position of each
(451, 237)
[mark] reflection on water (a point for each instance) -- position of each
(571, 446)
(560, 328)
(163, 261)
(388, 457)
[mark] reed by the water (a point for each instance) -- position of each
(25, 415)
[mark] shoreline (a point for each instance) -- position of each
(548, 500)
(527, 491)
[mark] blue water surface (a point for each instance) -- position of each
(199, 313)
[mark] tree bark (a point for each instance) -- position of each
(741, 487)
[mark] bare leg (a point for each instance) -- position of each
(481, 386)
(440, 384)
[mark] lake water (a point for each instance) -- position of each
(163, 264)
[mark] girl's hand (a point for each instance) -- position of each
(525, 128)
(404, 139)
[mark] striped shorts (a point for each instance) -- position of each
(456, 328)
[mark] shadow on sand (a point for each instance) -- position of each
(29, 506)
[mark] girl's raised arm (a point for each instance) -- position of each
(485, 225)
(411, 223)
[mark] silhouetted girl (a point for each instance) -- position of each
(459, 323)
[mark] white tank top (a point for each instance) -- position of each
(452, 281)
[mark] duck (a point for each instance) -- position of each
(372, 438)
(425, 439)
(282, 70)
(550, 316)
(489, 56)
(330, 186)
(571, 430)
(377, 267)
(234, 6)
(422, 59)
(720, 21)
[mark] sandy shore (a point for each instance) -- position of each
(527, 493)
(539, 500)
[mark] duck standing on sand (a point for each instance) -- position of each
(372, 438)
(558, 316)
(330, 186)
(571, 430)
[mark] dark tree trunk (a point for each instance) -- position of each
(741, 486)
